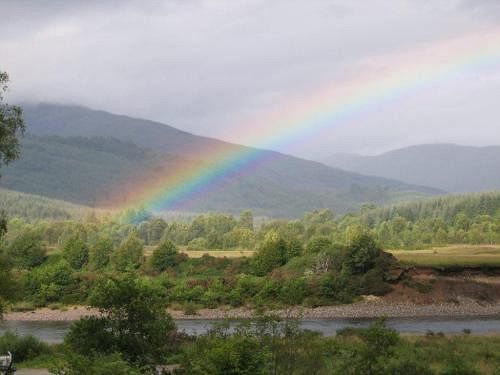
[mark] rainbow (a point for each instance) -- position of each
(299, 119)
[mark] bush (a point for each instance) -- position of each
(27, 250)
(134, 321)
(129, 254)
(272, 254)
(362, 254)
(164, 256)
(76, 252)
(51, 282)
(318, 244)
(226, 355)
(23, 348)
(293, 291)
(100, 253)
(112, 364)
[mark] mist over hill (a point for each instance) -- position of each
(83, 156)
(448, 167)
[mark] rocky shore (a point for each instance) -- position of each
(370, 307)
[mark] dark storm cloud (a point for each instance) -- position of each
(208, 66)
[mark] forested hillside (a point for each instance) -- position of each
(75, 121)
(106, 151)
(34, 207)
(472, 219)
(449, 167)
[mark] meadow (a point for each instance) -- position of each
(475, 256)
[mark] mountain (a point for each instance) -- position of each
(448, 167)
(85, 156)
(74, 121)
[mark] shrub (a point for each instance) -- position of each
(293, 291)
(362, 253)
(164, 256)
(27, 250)
(227, 355)
(272, 254)
(100, 253)
(129, 253)
(50, 282)
(76, 252)
(22, 347)
(318, 244)
(134, 321)
(112, 364)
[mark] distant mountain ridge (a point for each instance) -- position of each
(449, 167)
(81, 155)
(76, 121)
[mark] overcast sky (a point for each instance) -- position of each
(211, 66)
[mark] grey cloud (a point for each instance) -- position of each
(208, 66)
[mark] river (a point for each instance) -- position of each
(53, 332)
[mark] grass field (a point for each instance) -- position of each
(451, 256)
(439, 257)
(219, 253)
(215, 253)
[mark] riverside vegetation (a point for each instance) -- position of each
(137, 335)
(318, 260)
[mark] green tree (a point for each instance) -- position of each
(76, 252)
(50, 282)
(318, 244)
(100, 253)
(128, 254)
(362, 253)
(11, 125)
(272, 254)
(164, 256)
(27, 250)
(133, 321)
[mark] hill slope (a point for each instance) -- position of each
(88, 170)
(447, 167)
(75, 121)
(34, 207)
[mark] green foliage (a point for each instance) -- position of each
(362, 254)
(76, 252)
(272, 254)
(100, 253)
(11, 125)
(22, 347)
(134, 321)
(129, 254)
(77, 364)
(27, 250)
(228, 355)
(318, 244)
(50, 282)
(164, 255)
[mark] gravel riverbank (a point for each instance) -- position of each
(369, 308)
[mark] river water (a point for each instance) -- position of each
(53, 332)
